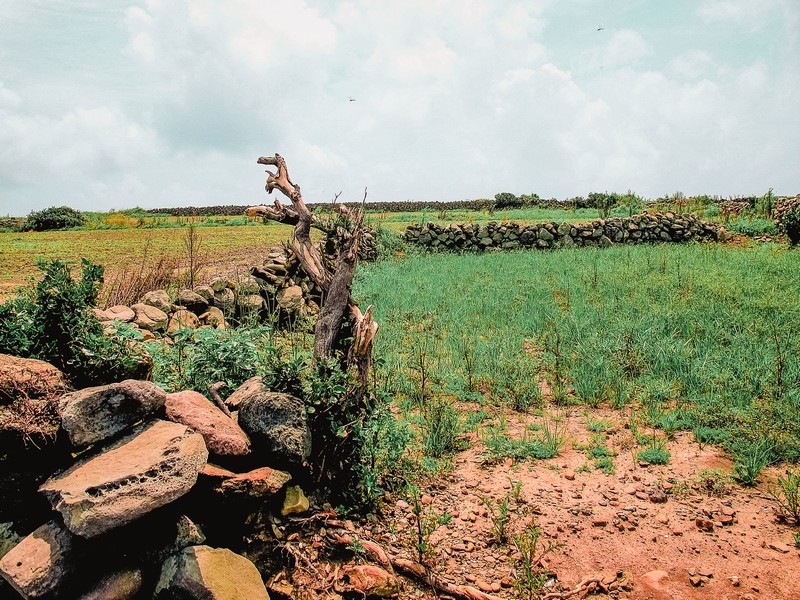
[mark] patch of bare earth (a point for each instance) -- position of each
(654, 530)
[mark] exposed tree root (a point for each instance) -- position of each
(409, 568)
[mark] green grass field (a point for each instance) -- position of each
(700, 337)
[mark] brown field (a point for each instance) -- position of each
(226, 248)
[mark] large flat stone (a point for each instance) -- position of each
(97, 413)
(152, 467)
(41, 563)
(222, 435)
(209, 574)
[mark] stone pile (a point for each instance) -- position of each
(642, 228)
(136, 477)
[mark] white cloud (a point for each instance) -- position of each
(738, 11)
(452, 100)
(693, 64)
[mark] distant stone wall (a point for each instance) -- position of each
(638, 229)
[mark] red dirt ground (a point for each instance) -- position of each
(604, 524)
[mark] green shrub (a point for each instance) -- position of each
(654, 456)
(389, 242)
(55, 217)
(200, 357)
(752, 226)
(52, 321)
(787, 494)
(507, 200)
(602, 201)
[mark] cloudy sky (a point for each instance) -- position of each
(118, 103)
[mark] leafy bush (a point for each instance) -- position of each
(507, 200)
(200, 357)
(389, 242)
(52, 321)
(752, 226)
(602, 201)
(441, 427)
(55, 217)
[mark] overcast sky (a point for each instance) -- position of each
(118, 103)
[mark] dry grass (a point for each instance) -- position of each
(128, 284)
(120, 251)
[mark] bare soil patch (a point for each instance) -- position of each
(658, 531)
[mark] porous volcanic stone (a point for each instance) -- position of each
(209, 574)
(93, 414)
(41, 563)
(153, 466)
(276, 423)
(221, 434)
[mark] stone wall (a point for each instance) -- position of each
(641, 228)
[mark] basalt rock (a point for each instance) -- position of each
(93, 414)
(151, 467)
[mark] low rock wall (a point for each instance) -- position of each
(638, 229)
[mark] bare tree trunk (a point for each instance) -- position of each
(335, 283)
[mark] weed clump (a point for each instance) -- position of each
(52, 321)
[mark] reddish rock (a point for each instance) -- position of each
(259, 483)
(652, 583)
(704, 524)
(182, 319)
(222, 435)
(569, 475)
(150, 317)
(118, 313)
(252, 386)
(153, 466)
(41, 563)
(371, 580)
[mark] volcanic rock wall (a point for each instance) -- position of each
(642, 228)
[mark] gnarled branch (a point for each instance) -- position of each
(335, 283)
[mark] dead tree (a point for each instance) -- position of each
(341, 325)
(335, 282)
